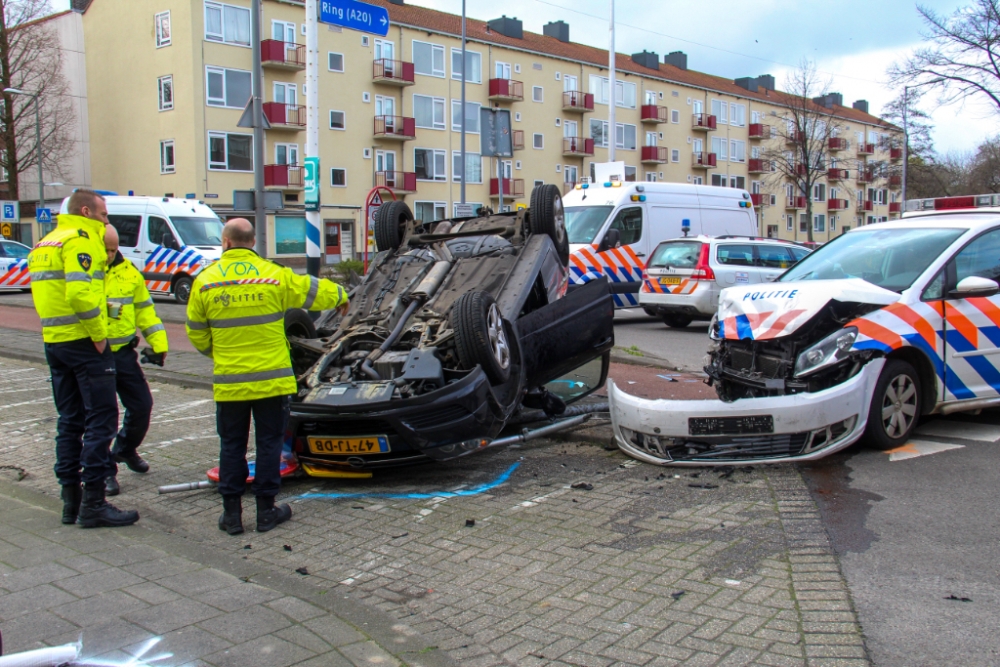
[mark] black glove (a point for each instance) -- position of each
(150, 357)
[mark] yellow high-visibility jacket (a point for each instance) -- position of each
(125, 288)
(236, 316)
(67, 280)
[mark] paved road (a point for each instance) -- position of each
(684, 349)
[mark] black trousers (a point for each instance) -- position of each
(83, 385)
(133, 390)
(232, 420)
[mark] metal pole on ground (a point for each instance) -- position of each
(461, 189)
(313, 221)
(260, 214)
(613, 94)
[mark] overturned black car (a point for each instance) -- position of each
(457, 325)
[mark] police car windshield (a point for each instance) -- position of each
(583, 222)
(199, 231)
(889, 258)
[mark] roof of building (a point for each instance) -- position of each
(451, 24)
(41, 19)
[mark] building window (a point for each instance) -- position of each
(228, 151)
(819, 223)
(286, 154)
(625, 136)
(285, 93)
(471, 116)
(537, 94)
(675, 155)
(737, 151)
(165, 86)
(474, 65)
(675, 116)
(428, 59)
(429, 164)
(570, 174)
(335, 61)
(630, 173)
(625, 92)
(720, 110)
(819, 192)
(429, 211)
(338, 120)
(429, 111)
(228, 87)
(338, 177)
(737, 114)
(719, 146)
(698, 180)
(167, 157)
(474, 167)
(599, 132)
(227, 23)
(538, 140)
(502, 70)
(162, 23)
(790, 223)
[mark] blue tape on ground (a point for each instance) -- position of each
(483, 488)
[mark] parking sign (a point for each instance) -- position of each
(11, 211)
(312, 183)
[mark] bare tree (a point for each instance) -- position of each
(985, 168)
(30, 61)
(962, 60)
(799, 155)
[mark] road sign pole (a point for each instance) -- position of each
(312, 133)
(257, 78)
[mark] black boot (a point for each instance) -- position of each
(269, 516)
(97, 512)
(111, 486)
(134, 462)
(231, 520)
(72, 494)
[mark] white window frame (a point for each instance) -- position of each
(537, 94)
(790, 222)
(635, 133)
(343, 115)
(458, 75)
(456, 156)
(568, 170)
(456, 121)
(819, 192)
(286, 28)
(620, 100)
(163, 83)
(434, 101)
(224, 71)
(334, 185)
(720, 109)
(736, 147)
(675, 116)
(435, 48)
(221, 37)
(294, 148)
(219, 133)
(737, 114)
(675, 155)
(437, 178)
(164, 167)
(502, 70)
(717, 144)
(288, 88)
(161, 20)
(438, 205)
(817, 219)
(343, 61)
(604, 125)
(538, 141)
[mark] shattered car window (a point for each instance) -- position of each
(676, 255)
(889, 258)
(583, 222)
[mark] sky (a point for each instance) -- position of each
(852, 46)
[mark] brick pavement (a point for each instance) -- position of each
(650, 567)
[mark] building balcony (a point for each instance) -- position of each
(866, 149)
(392, 72)
(865, 177)
(517, 140)
(795, 203)
(895, 180)
(836, 204)
(834, 144)
(652, 113)
(395, 128)
(895, 207)
(577, 101)
(506, 90)
(760, 199)
(655, 154)
(760, 131)
(285, 116)
(759, 166)
(284, 176)
(795, 137)
(703, 122)
(282, 55)
(800, 169)
(703, 160)
(866, 205)
(895, 154)
(400, 182)
(577, 146)
(836, 174)
(513, 188)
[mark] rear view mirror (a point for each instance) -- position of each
(974, 286)
(580, 381)
(612, 238)
(168, 241)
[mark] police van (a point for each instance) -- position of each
(614, 226)
(169, 240)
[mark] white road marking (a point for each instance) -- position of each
(943, 428)
(916, 448)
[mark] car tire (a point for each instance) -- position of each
(548, 217)
(676, 321)
(182, 290)
(298, 324)
(649, 311)
(895, 406)
(390, 224)
(480, 336)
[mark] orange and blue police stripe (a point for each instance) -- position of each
(168, 261)
(759, 326)
(619, 265)
(685, 286)
(16, 275)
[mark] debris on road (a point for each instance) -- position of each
(677, 595)
(303, 571)
(469, 523)
(286, 547)
(958, 599)
(584, 486)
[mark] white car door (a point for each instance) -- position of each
(772, 260)
(129, 227)
(734, 264)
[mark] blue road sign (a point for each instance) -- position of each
(10, 211)
(355, 15)
(43, 215)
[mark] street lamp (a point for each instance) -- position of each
(38, 141)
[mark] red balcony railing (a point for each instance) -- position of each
(795, 202)
(836, 204)
(795, 137)
(866, 149)
(392, 72)
(800, 169)
(837, 144)
(282, 55)
(289, 116)
(865, 176)
(703, 122)
(895, 180)
(282, 176)
(895, 153)
(652, 113)
(760, 131)
(758, 166)
(395, 127)
(836, 174)
(512, 187)
(506, 89)
(703, 160)
(575, 100)
(577, 146)
(866, 205)
(760, 199)
(655, 154)
(398, 181)
(895, 207)
(517, 140)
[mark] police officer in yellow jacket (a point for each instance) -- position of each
(67, 285)
(130, 306)
(236, 316)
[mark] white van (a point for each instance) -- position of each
(614, 226)
(169, 240)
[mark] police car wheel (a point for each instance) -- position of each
(480, 336)
(182, 290)
(548, 217)
(895, 407)
(676, 321)
(390, 224)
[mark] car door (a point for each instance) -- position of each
(129, 226)
(567, 333)
(772, 260)
(623, 264)
(972, 325)
(735, 264)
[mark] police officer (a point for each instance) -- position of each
(67, 285)
(129, 306)
(236, 316)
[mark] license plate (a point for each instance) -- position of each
(670, 280)
(368, 444)
(731, 425)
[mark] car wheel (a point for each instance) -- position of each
(649, 311)
(182, 290)
(390, 223)
(298, 324)
(676, 321)
(547, 217)
(895, 406)
(480, 336)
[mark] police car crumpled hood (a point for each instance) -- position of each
(774, 310)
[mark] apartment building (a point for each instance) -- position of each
(166, 95)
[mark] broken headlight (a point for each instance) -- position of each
(829, 351)
(713, 328)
